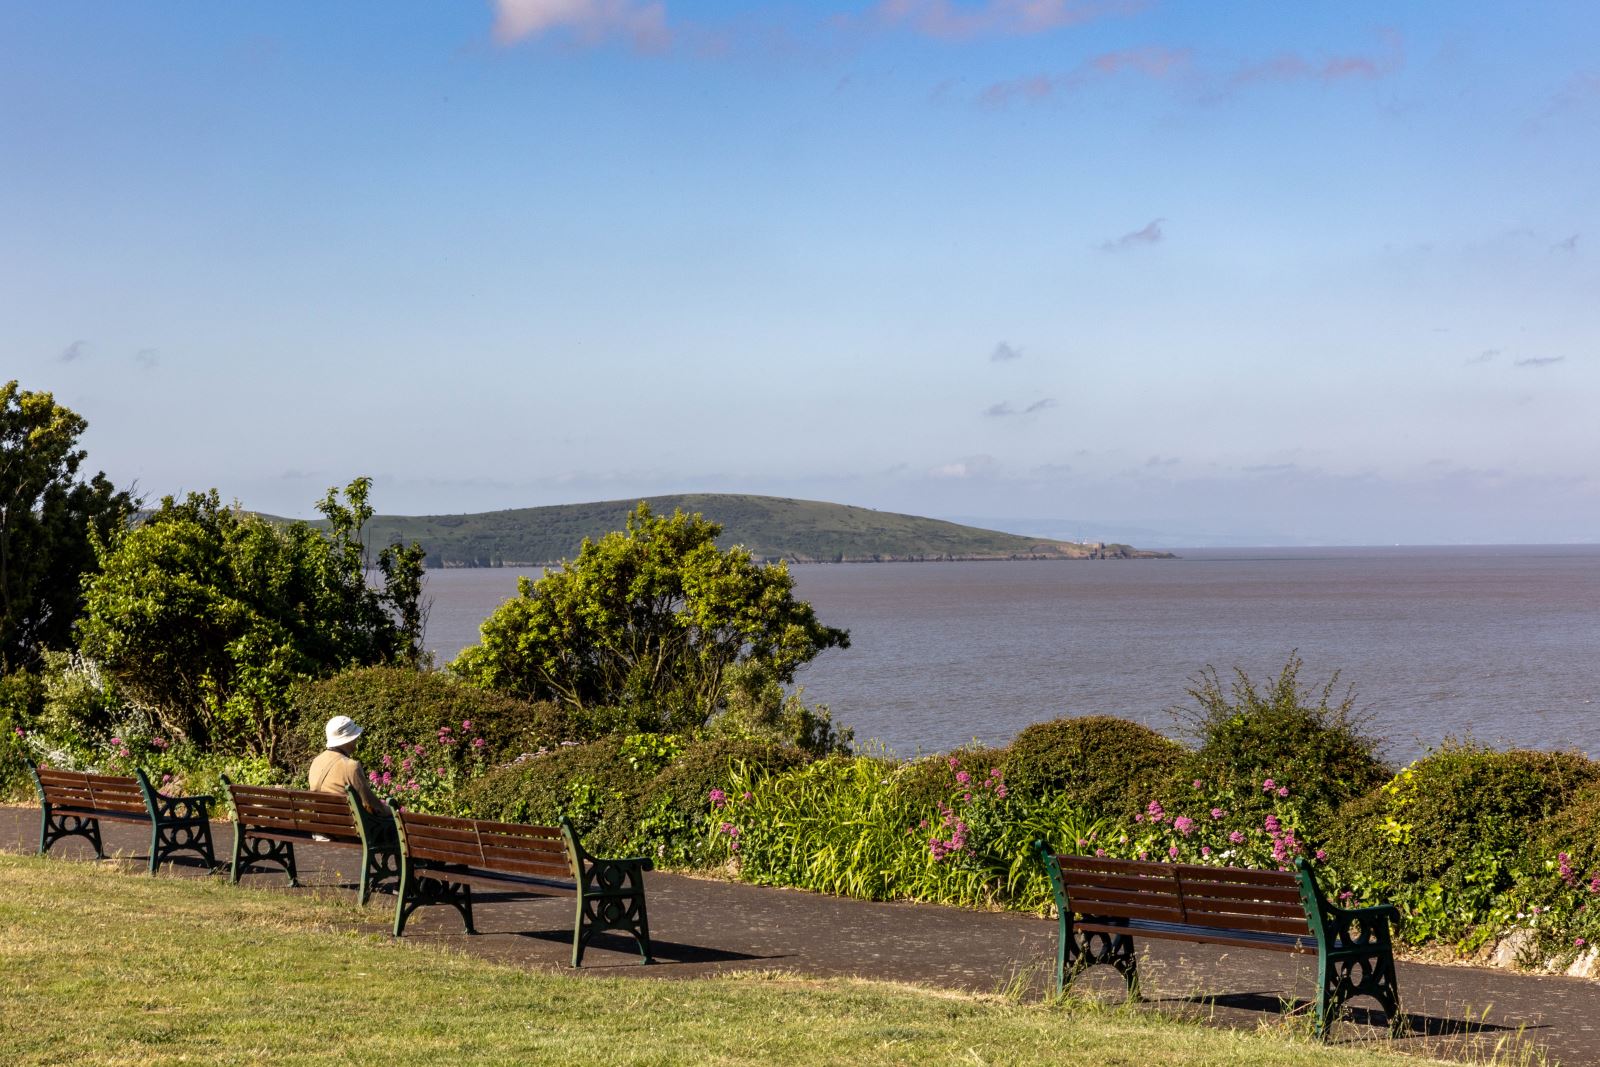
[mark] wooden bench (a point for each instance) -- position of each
(268, 822)
(1102, 904)
(74, 802)
(441, 859)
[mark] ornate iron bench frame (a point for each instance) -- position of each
(268, 822)
(1116, 899)
(72, 803)
(442, 858)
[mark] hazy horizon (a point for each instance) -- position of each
(1281, 274)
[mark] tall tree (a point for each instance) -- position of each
(207, 615)
(656, 618)
(49, 519)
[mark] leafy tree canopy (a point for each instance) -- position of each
(207, 615)
(48, 516)
(656, 618)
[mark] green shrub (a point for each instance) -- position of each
(596, 785)
(1100, 764)
(1304, 739)
(926, 783)
(1445, 837)
(677, 807)
(21, 697)
(398, 707)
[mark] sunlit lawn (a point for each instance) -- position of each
(100, 966)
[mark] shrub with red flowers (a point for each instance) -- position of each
(427, 776)
(1220, 825)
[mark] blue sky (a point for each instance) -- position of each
(1274, 272)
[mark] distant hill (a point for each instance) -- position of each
(772, 528)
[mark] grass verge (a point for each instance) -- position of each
(98, 967)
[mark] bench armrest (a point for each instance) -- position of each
(644, 863)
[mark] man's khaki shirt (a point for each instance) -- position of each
(332, 771)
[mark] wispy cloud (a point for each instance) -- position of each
(147, 358)
(1151, 63)
(1162, 461)
(1568, 245)
(1539, 361)
(73, 352)
(1004, 410)
(643, 25)
(951, 21)
(1294, 67)
(971, 467)
(1482, 357)
(1004, 352)
(1150, 235)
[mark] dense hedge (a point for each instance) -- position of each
(396, 707)
(626, 793)
(1448, 834)
(1105, 765)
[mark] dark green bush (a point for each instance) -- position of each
(1306, 740)
(1444, 838)
(397, 706)
(926, 783)
(596, 785)
(1575, 830)
(1105, 765)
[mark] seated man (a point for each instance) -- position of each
(336, 768)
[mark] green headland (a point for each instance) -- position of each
(771, 528)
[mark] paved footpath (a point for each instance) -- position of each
(703, 926)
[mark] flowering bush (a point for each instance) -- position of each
(1219, 824)
(1447, 839)
(860, 827)
(429, 776)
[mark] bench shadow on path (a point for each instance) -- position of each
(1416, 1024)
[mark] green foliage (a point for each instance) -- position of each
(49, 518)
(1301, 736)
(652, 619)
(1558, 890)
(207, 616)
(1444, 838)
(678, 805)
(401, 706)
(1104, 765)
(595, 785)
(759, 709)
(857, 827)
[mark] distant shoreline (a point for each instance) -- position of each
(1135, 554)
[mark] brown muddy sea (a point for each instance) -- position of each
(1497, 643)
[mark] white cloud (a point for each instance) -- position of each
(643, 25)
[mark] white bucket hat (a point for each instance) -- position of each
(341, 730)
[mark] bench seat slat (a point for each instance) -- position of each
(443, 853)
(1258, 893)
(1204, 935)
(1271, 924)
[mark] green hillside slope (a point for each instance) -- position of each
(771, 528)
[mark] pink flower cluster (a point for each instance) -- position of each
(718, 798)
(941, 847)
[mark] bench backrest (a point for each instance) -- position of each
(1232, 898)
(506, 848)
(90, 792)
(293, 811)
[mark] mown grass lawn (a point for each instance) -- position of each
(99, 966)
